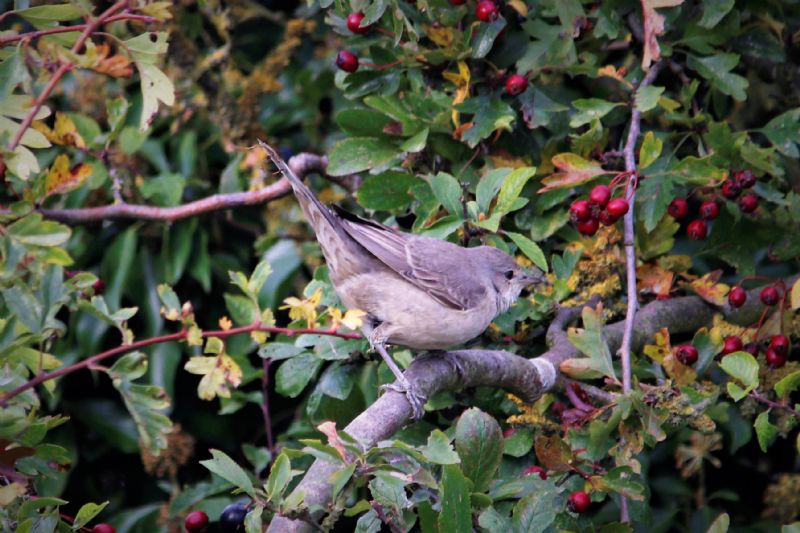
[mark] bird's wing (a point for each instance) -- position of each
(435, 266)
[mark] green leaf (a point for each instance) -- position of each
(490, 115)
(12, 73)
(279, 350)
(484, 37)
(448, 191)
(164, 190)
(788, 384)
(713, 12)
(156, 86)
(530, 249)
(535, 512)
(279, 476)
(591, 343)
(86, 513)
(649, 152)
(512, 187)
(252, 520)
(45, 15)
(479, 443)
(21, 302)
(33, 230)
(455, 514)
(766, 431)
(723, 521)
(783, 132)
(743, 367)
(294, 374)
(340, 478)
(369, 521)
(387, 191)
(362, 122)
(518, 443)
(590, 109)
(226, 468)
(488, 186)
(647, 97)
(389, 491)
(491, 520)
(717, 69)
(415, 143)
(356, 154)
(438, 450)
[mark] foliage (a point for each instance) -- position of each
(157, 103)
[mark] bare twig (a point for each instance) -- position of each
(69, 29)
(302, 164)
(92, 361)
(63, 68)
(757, 396)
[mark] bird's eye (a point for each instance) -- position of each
(509, 274)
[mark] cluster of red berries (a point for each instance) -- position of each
(776, 354)
(709, 209)
(769, 296)
(600, 207)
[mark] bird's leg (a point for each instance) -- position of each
(415, 399)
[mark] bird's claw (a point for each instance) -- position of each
(415, 398)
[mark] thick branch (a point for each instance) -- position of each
(302, 164)
(527, 378)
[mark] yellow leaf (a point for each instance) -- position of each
(461, 80)
(519, 6)
(352, 318)
(11, 492)
(63, 132)
(62, 179)
(795, 298)
(225, 323)
(441, 35)
(709, 290)
(663, 353)
(610, 71)
(304, 309)
(220, 373)
(329, 430)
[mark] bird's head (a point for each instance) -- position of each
(507, 278)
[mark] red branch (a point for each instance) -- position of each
(181, 335)
(68, 29)
(65, 67)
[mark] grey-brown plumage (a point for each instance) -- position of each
(417, 291)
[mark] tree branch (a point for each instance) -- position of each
(302, 164)
(90, 362)
(527, 378)
(68, 29)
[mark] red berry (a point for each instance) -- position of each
(588, 227)
(774, 359)
(516, 84)
(678, 208)
(686, 354)
(347, 61)
(709, 210)
(780, 343)
(486, 11)
(606, 218)
(697, 230)
(196, 521)
(737, 297)
(769, 295)
(751, 348)
(730, 189)
(618, 207)
(508, 432)
(748, 203)
(457, 2)
(354, 23)
(580, 211)
(745, 179)
(98, 286)
(103, 528)
(538, 470)
(732, 343)
(600, 195)
(579, 502)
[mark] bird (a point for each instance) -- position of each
(419, 292)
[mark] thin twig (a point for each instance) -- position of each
(181, 335)
(69, 29)
(63, 68)
(757, 396)
(265, 363)
(630, 249)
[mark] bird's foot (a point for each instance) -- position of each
(415, 398)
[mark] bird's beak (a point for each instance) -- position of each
(533, 279)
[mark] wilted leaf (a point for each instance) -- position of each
(709, 290)
(220, 373)
(573, 171)
(62, 179)
(653, 27)
(553, 453)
